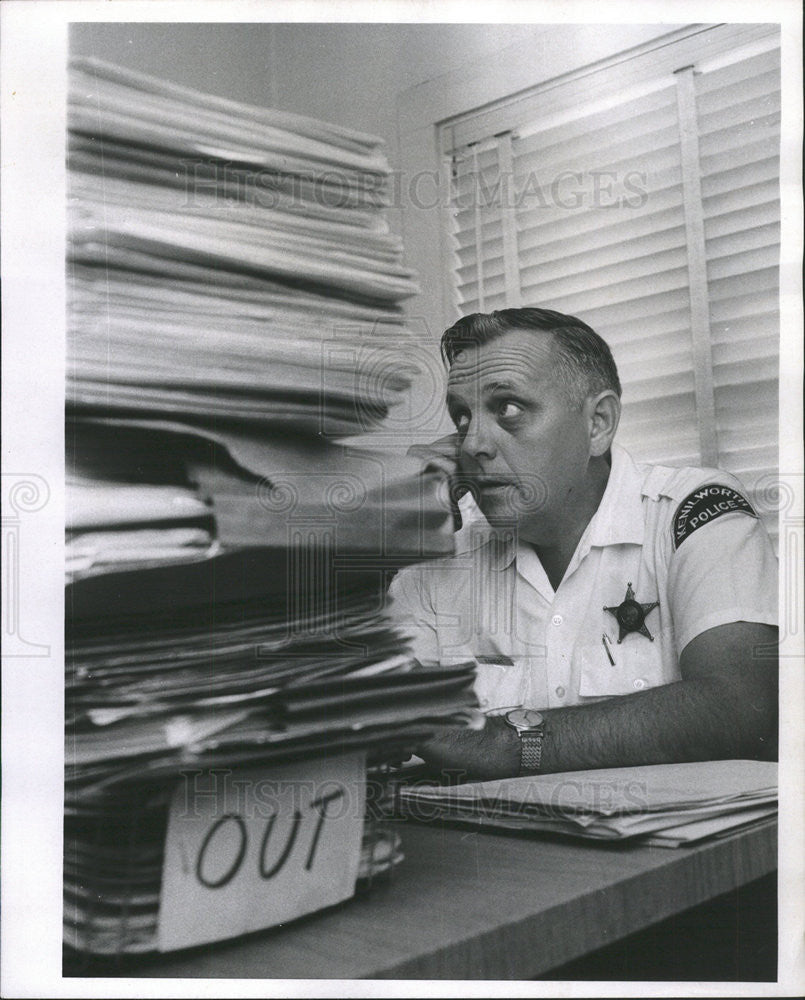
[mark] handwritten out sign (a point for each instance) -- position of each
(250, 849)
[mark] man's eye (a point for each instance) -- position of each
(462, 422)
(509, 410)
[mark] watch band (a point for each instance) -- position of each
(530, 752)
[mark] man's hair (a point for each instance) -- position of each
(583, 362)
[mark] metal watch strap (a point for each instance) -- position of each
(530, 752)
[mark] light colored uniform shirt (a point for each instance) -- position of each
(543, 648)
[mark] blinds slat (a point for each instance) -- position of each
(621, 147)
(637, 334)
(738, 72)
(742, 263)
(611, 316)
(760, 282)
(754, 141)
(734, 151)
(746, 350)
(466, 254)
(747, 326)
(743, 220)
(591, 125)
(556, 222)
(637, 254)
(761, 112)
(606, 294)
(745, 199)
(745, 176)
(762, 300)
(748, 92)
(670, 360)
(612, 230)
(748, 240)
(762, 371)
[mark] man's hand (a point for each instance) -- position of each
(474, 755)
(439, 456)
(442, 456)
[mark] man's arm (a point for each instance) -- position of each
(725, 706)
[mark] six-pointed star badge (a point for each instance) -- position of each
(631, 615)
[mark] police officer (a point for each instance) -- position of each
(618, 614)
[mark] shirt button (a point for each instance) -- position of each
(557, 620)
(639, 684)
(560, 692)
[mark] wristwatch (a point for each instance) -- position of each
(530, 727)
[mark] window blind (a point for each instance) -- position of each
(738, 109)
(644, 199)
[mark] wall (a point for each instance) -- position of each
(229, 60)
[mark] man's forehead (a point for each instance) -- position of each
(517, 356)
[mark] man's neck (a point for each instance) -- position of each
(558, 541)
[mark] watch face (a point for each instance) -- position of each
(524, 718)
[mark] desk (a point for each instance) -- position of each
(481, 905)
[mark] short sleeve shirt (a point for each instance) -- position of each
(677, 536)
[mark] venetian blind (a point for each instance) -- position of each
(642, 196)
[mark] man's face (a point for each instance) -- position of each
(525, 449)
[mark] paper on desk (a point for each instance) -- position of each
(605, 804)
(609, 791)
(701, 822)
(688, 833)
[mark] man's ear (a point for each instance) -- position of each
(603, 415)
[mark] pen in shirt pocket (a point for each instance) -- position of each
(607, 643)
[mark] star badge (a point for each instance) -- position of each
(631, 615)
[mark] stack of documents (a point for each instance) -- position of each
(664, 804)
(212, 663)
(227, 263)
(235, 311)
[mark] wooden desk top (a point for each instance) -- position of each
(482, 905)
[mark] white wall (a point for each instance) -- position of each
(229, 60)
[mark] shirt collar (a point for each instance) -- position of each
(618, 520)
(476, 532)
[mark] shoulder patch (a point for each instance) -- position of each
(704, 505)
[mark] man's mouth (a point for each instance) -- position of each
(488, 483)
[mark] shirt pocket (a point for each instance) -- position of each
(638, 666)
(499, 685)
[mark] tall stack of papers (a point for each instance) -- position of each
(665, 804)
(235, 309)
(227, 262)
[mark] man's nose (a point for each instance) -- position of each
(479, 441)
